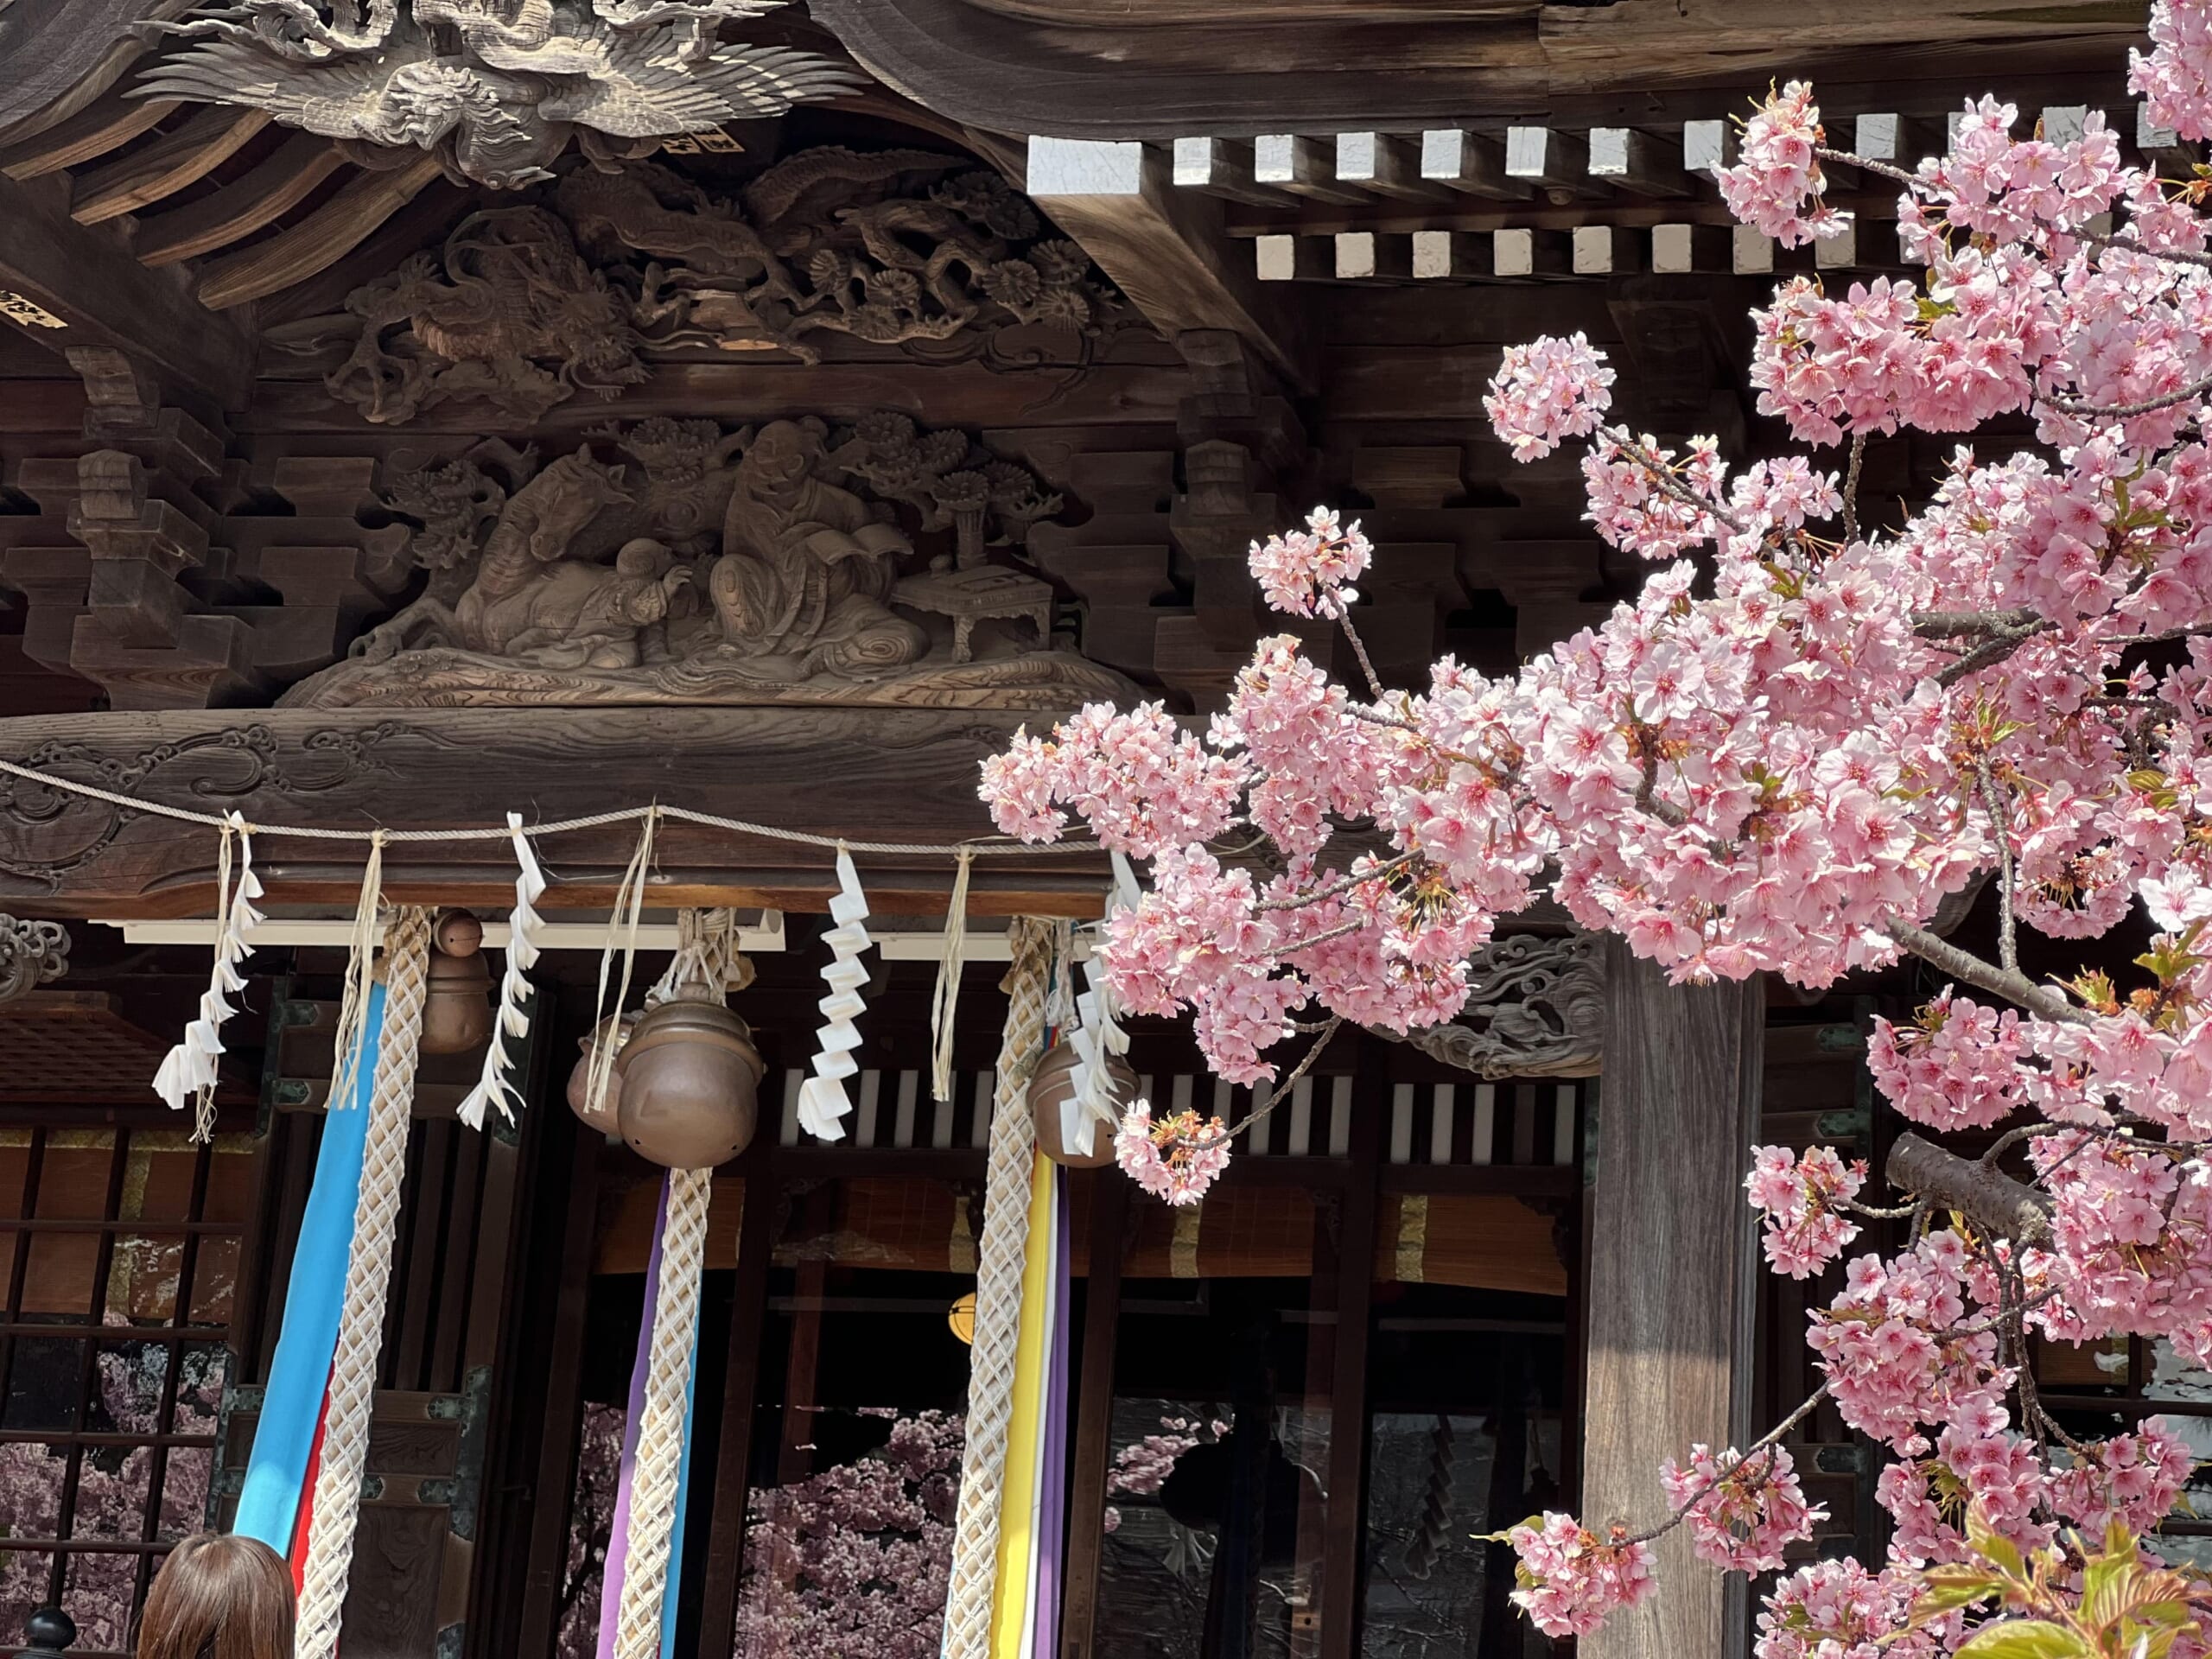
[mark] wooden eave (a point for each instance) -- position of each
(1160, 68)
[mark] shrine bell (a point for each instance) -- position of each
(457, 1001)
(690, 1094)
(1053, 1085)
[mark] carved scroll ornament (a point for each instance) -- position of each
(495, 88)
(761, 566)
(526, 306)
(32, 954)
(1537, 1010)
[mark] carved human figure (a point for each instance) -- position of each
(806, 566)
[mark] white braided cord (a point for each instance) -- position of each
(1001, 1256)
(655, 1474)
(368, 1273)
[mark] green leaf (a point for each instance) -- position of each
(1995, 1547)
(1951, 1588)
(2022, 1638)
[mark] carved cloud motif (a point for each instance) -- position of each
(495, 88)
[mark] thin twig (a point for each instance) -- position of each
(1279, 1092)
(1766, 1442)
(1851, 487)
(2008, 943)
(1359, 649)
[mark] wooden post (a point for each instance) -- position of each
(741, 1387)
(1345, 1524)
(1671, 1281)
(1094, 1426)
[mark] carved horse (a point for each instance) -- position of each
(521, 587)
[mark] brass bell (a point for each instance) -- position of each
(616, 1028)
(691, 1093)
(457, 1002)
(1053, 1085)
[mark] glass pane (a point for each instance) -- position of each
(214, 1281)
(184, 1491)
(72, 1174)
(229, 1181)
(591, 1525)
(856, 1459)
(131, 1377)
(201, 1370)
(26, 1585)
(113, 1483)
(142, 1279)
(30, 1489)
(98, 1596)
(57, 1282)
(45, 1378)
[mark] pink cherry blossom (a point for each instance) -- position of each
(1742, 1512)
(1801, 1201)
(1546, 391)
(1571, 1578)
(1777, 182)
(1176, 1159)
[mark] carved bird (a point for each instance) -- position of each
(294, 29)
(501, 109)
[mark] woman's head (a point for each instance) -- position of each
(219, 1596)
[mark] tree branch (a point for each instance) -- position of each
(2042, 1001)
(1982, 1193)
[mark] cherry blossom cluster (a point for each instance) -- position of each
(1742, 1512)
(1803, 1200)
(1309, 572)
(1571, 1578)
(1954, 1068)
(1802, 747)
(1176, 1159)
(1545, 391)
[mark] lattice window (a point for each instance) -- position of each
(120, 1250)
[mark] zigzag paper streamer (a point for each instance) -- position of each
(189, 1072)
(1098, 1037)
(823, 1105)
(492, 1088)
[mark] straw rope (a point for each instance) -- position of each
(660, 1432)
(368, 1273)
(1000, 1255)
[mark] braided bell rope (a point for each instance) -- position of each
(660, 1430)
(1000, 1255)
(368, 1274)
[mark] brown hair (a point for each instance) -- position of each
(219, 1596)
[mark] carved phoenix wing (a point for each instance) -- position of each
(403, 96)
(637, 91)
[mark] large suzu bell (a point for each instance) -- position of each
(691, 1085)
(1052, 1087)
(457, 1001)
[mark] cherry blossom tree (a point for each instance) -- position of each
(1803, 736)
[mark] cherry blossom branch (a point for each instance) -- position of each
(2191, 393)
(1359, 651)
(2042, 1001)
(1765, 1444)
(1851, 487)
(2008, 942)
(1663, 477)
(1977, 1191)
(1338, 889)
(1279, 1093)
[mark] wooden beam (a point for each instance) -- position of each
(109, 123)
(317, 242)
(164, 167)
(1673, 1278)
(1167, 249)
(272, 188)
(62, 54)
(883, 774)
(85, 277)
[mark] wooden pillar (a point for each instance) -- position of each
(1671, 1281)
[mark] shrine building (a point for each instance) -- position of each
(477, 475)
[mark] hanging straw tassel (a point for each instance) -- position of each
(629, 909)
(361, 971)
(946, 1002)
(190, 1070)
(492, 1088)
(823, 1105)
(1099, 1039)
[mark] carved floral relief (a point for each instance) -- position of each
(524, 307)
(876, 565)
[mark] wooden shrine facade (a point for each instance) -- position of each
(780, 469)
